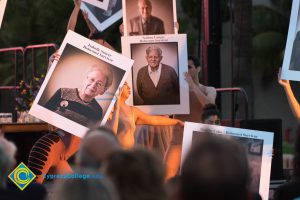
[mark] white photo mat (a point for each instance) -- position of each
(288, 68)
(267, 137)
(159, 40)
(2, 9)
(94, 52)
(169, 22)
(103, 4)
(107, 22)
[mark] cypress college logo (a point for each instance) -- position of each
(22, 176)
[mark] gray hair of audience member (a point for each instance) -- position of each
(154, 48)
(99, 188)
(105, 70)
(138, 174)
(7, 159)
(96, 146)
(216, 168)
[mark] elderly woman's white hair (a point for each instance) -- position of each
(7, 159)
(105, 70)
(154, 48)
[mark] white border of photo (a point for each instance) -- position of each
(105, 24)
(101, 53)
(294, 27)
(103, 5)
(267, 137)
(2, 10)
(181, 39)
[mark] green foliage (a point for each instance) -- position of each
(270, 26)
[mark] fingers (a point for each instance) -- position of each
(121, 29)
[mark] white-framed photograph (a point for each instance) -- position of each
(291, 61)
(2, 9)
(258, 146)
(103, 4)
(157, 78)
(103, 18)
(79, 89)
(149, 17)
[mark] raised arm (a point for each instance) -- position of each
(91, 26)
(113, 123)
(143, 118)
(205, 95)
(73, 18)
(294, 104)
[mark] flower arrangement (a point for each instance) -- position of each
(26, 93)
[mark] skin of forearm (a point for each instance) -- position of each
(294, 105)
(73, 19)
(201, 97)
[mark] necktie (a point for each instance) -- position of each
(145, 28)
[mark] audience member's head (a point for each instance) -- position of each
(7, 159)
(87, 189)
(96, 146)
(297, 155)
(172, 187)
(216, 169)
(138, 174)
(211, 115)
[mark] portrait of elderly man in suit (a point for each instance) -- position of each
(145, 23)
(157, 83)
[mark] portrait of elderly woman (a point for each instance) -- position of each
(79, 104)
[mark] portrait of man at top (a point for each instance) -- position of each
(145, 23)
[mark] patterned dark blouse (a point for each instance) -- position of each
(67, 103)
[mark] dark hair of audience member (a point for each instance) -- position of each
(138, 174)
(195, 61)
(296, 160)
(210, 110)
(88, 189)
(216, 168)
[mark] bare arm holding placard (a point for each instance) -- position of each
(294, 104)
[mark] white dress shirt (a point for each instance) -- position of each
(155, 75)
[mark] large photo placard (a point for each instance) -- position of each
(103, 4)
(149, 17)
(257, 144)
(78, 90)
(291, 61)
(2, 9)
(157, 78)
(102, 19)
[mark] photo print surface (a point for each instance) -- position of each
(80, 88)
(291, 61)
(149, 17)
(102, 19)
(258, 146)
(157, 77)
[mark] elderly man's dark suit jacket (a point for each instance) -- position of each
(155, 26)
(295, 58)
(167, 90)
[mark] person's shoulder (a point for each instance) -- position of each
(167, 67)
(135, 19)
(156, 19)
(143, 70)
